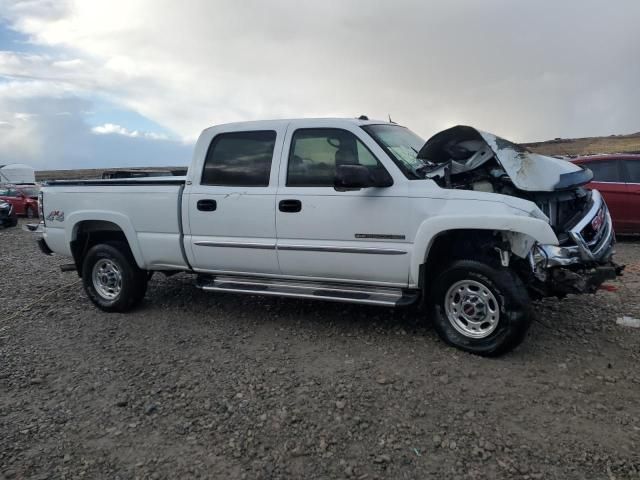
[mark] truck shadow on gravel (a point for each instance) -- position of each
(178, 293)
(555, 323)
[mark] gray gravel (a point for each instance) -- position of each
(194, 384)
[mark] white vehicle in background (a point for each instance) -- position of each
(349, 210)
(17, 174)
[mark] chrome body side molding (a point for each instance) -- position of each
(303, 248)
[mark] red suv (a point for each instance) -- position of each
(617, 177)
(24, 199)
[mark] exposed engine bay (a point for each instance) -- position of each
(564, 207)
(468, 159)
(462, 158)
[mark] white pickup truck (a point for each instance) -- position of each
(350, 210)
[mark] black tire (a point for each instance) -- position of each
(30, 213)
(514, 316)
(133, 280)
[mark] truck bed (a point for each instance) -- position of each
(148, 211)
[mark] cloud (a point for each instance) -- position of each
(110, 128)
(525, 70)
(52, 133)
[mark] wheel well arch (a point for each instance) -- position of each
(87, 233)
(457, 244)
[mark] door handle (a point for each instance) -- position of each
(207, 205)
(290, 206)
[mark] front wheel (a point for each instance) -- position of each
(30, 212)
(480, 308)
(112, 279)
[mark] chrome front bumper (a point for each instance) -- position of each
(594, 250)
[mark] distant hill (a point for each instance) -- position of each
(573, 147)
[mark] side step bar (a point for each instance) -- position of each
(370, 295)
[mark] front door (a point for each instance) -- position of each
(356, 236)
(231, 203)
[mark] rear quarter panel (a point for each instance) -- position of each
(147, 214)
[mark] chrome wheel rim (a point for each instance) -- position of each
(472, 309)
(107, 279)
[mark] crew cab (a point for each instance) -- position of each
(352, 210)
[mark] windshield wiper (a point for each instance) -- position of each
(426, 166)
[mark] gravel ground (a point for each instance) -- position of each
(195, 384)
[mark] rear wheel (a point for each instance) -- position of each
(112, 279)
(30, 212)
(480, 308)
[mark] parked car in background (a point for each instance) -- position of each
(8, 216)
(617, 177)
(23, 198)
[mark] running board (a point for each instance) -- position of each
(370, 295)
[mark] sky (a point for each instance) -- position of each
(105, 83)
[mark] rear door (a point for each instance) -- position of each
(231, 202)
(632, 167)
(359, 235)
(608, 179)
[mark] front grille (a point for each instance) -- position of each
(590, 233)
(594, 233)
(604, 238)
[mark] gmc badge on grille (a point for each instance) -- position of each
(598, 220)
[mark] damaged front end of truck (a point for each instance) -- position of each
(468, 159)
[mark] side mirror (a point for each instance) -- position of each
(358, 176)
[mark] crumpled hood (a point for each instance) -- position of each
(466, 148)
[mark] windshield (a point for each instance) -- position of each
(401, 144)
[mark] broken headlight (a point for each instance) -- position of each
(538, 260)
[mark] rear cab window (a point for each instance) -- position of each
(239, 159)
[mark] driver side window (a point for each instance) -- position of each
(315, 153)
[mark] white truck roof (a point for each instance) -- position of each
(334, 122)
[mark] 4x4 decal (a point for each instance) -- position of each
(56, 215)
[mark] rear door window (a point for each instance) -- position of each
(240, 159)
(605, 171)
(633, 170)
